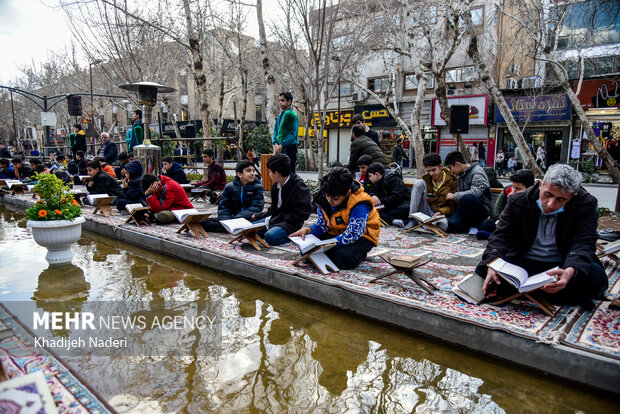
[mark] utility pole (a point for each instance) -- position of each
(337, 59)
(15, 125)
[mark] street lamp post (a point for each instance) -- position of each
(92, 101)
(337, 59)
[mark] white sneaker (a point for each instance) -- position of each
(398, 223)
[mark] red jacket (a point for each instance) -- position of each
(171, 197)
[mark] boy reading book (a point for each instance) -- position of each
(132, 188)
(242, 198)
(101, 183)
(347, 213)
(291, 202)
(389, 190)
(164, 195)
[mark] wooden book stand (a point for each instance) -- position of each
(309, 253)
(192, 224)
(429, 225)
(409, 271)
(105, 206)
(18, 189)
(138, 216)
(545, 306)
(199, 193)
(601, 248)
(252, 237)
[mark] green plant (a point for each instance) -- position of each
(604, 211)
(259, 140)
(56, 200)
(300, 165)
(313, 185)
(194, 176)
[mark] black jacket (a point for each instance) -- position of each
(177, 173)
(365, 146)
(105, 184)
(82, 164)
(241, 201)
(296, 205)
(391, 190)
(575, 232)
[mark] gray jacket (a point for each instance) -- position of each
(474, 181)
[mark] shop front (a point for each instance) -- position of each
(543, 119)
(600, 99)
(478, 126)
(337, 129)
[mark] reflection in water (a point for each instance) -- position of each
(278, 354)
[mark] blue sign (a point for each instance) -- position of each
(537, 108)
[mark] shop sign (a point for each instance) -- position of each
(376, 116)
(599, 93)
(537, 108)
(478, 105)
(331, 119)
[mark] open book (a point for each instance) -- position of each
(181, 215)
(135, 207)
(518, 277)
(424, 219)
(612, 247)
(470, 289)
(84, 178)
(236, 226)
(315, 248)
(311, 242)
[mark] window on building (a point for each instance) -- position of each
(464, 74)
(586, 24)
(602, 65)
(477, 16)
(425, 16)
(346, 89)
(378, 85)
(411, 82)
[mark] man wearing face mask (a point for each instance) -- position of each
(553, 223)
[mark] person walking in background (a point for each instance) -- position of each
(286, 130)
(541, 156)
(358, 119)
(77, 140)
(482, 154)
(500, 157)
(473, 152)
(398, 152)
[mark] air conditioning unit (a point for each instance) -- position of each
(358, 97)
(531, 82)
(512, 83)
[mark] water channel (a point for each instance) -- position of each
(279, 353)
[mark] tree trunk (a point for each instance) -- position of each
(614, 172)
(220, 120)
(416, 136)
(270, 81)
(199, 77)
(244, 108)
(442, 98)
(515, 131)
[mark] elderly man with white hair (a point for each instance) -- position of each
(108, 149)
(551, 224)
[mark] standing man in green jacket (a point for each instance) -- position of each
(285, 132)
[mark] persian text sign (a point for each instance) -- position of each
(332, 118)
(537, 108)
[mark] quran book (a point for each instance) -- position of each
(311, 242)
(518, 276)
(94, 199)
(180, 215)
(423, 218)
(470, 289)
(236, 226)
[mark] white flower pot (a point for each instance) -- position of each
(57, 236)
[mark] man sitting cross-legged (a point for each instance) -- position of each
(472, 196)
(550, 224)
(101, 182)
(291, 202)
(215, 179)
(240, 199)
(347, 213)
(389, 190)
(163, 195)
(428, 195)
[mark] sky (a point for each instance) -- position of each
(29, 29)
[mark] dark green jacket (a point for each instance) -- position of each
(365, 146)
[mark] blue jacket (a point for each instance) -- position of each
(241, 201)
(177, 173)
(9, 172)
(109, 152)
(134, 191)
(285, 131)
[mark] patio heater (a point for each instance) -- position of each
(148, 154)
